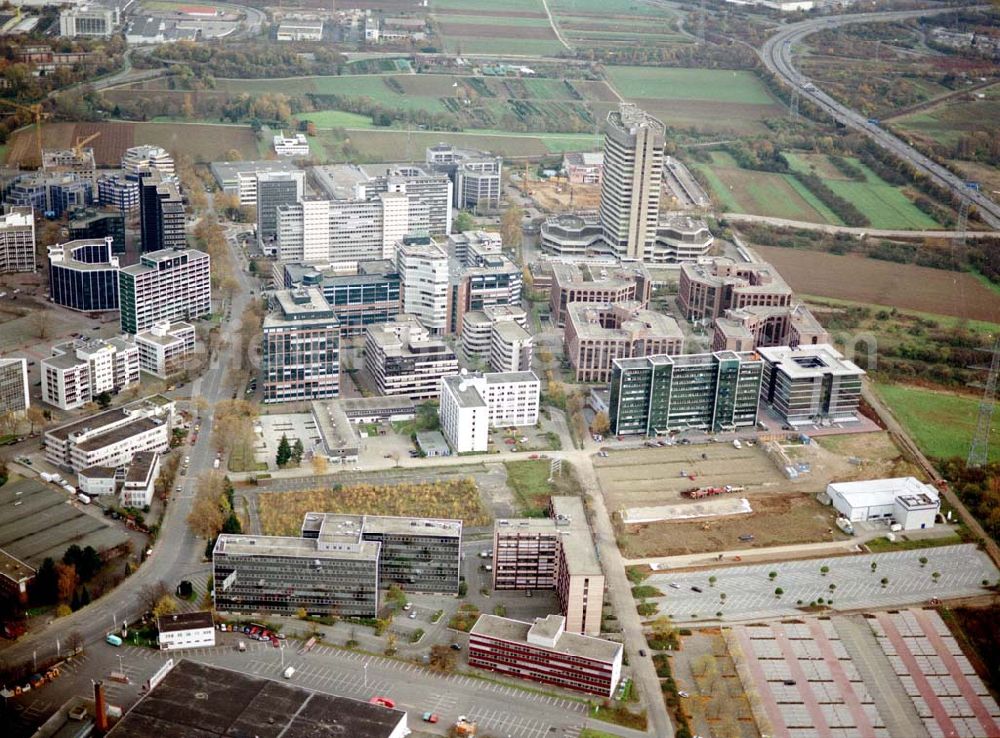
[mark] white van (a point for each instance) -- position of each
(287, 673)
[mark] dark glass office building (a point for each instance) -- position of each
(83, 275)
(369, 297)
(88, 223)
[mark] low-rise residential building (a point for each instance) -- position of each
(584, 168)
(113, 437)
(14, 395)
(301, 348)
(597, 283)
(369, 296)
(557, 553)
(83, 275)
(404, 359)
(744, 329)
(186, 630)
(654, 395)
(905, 501)
(78, 371)
(545, 653)
(170, 284)
(294, 29)
(294, 145)
(17, 241)
(139, 482)
(471, 404)
(337, 565)
(811, 384)
(165, 347)
(708, 288)
(598, 333)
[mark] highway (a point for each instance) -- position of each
(176, 552)
(777, 56)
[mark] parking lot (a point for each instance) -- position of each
(750, 591)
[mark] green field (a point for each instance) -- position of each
(883, 204)
(710, 85)
(337, 119)
(941, 424)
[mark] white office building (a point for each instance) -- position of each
(134, 482)
(424, 274)
(511, 347)
(17, 241)
(294, 145)
(471, 404)
(240, 177)
(79, 371)
(186, 630)
(88, 20)
(146, 158)
(903, 500)
(402, 358)
(113, 437)
(164, 347)
(170, 284)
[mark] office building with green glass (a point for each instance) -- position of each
(653, 395)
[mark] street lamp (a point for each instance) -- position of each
(366, 674)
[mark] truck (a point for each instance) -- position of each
(215, 464)
(696, 493)
(288, 672)
(49, 477)
(85, 499)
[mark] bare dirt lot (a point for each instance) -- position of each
(865, 280)
(551, 195)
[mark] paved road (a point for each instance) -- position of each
(873, 232)
(777, 56)
(177, 554)
(750, 592)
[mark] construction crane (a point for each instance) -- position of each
(81, 142)
(36, 113)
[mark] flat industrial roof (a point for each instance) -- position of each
(570, 644)
(185, 621)
(200, 701)
(289, 546)
(803, 362)
(881, 492)
(122, 432)
(364, 405)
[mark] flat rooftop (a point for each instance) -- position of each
(570, 644)
(199, 701)
(336, 523)
(227, 171)
(464, 392)
(39, 521)
(570, 521)
(365, 405)
(300, 306)
(509, 377)
(291, 547)
(140, 466)
(631, 319)
(879, 492)
(121, 433)
(185, 621)
(805, 362)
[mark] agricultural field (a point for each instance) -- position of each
(940, 423)
(883, 204)
(882, 283)
(706, 99)
(513, 28)
(281, 512)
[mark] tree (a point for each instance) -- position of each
(297, 451)
(44, 588)
(284, 451)
(772, 575)
(74, 641)
(712, 580)
(319, 465)
(150, 594)
(35, 416)
(601, 423)
(301, 613)
(662, 628)
(923, 561)
(390, 644)
(166, 605)
(935, 576)
(207, 516)
(874, 567)
(464, 222)
(778, 592)
(67, 581)
(396, 595)
(885, 581)
(511, 228)
(103, 400)
(824, 570)
(443, 658)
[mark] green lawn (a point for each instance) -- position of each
(715, 85)
(530, 482)
(941, 424)
(337, 119)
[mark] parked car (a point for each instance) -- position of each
(430, 717)
(384, 701)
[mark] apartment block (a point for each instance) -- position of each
(557, 553)
(710, 287)
(301, 348)
(173, 285)
(811, 384)
(368, 296)
(164, 348)
(545, 653)
(79, 371)
(511, 348)
(338, 564)
(476, 175)
(14, 395)
(17, 241)
(471, 404)
(711, 391)
(274, 189)
(113, 437)
(404, 359)
(83, 275)
(745, 329)
(424, 272)
(597, 284)
(139, 159)
(161, 212)
(596, 334)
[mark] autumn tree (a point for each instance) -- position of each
(208, 511)
(166, 605)
(67, 580)
(150, 594)
(35, 416)
(601, 424)
(319, 465)
(510, 226)
(443, 658)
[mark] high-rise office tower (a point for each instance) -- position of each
(274, 189)
(172, 285)
(161, 212)
(17, 241)
(630, 189)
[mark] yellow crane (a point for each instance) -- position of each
(81, 142)
(37, 114)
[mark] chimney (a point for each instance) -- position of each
(100, 708)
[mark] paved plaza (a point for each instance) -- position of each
(750, 591)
